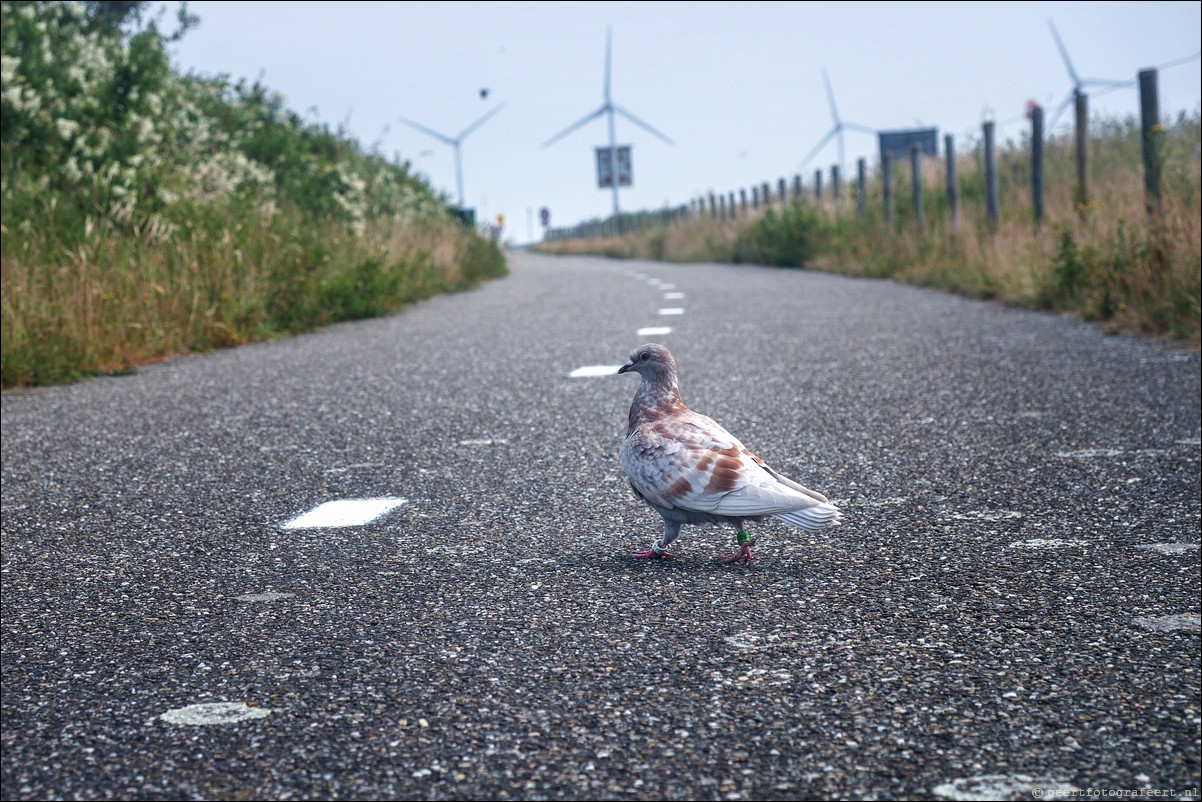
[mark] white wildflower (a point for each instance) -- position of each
(66, 128)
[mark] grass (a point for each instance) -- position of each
(118, 301)
(147, 214)
(1106, 260)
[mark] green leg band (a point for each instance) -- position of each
(743, 537)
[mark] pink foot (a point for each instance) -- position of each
(743, 554)
(647, 555)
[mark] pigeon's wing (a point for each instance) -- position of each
(691, 462)
(660, 461)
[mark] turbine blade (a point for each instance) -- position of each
(817, 148)
(830, 96)
(608, 46)
(480, 121)
(576, 125)
(1055, 117)
(1072, 73)
(1105, 83)
(429, 131)
(642, 124)
(863, 129)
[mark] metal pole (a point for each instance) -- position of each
(953, 186)
(613, 160)
(991, 200)
(1037, 163)
(1149, 117)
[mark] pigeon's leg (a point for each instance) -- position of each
(745, 544)
(659, 547)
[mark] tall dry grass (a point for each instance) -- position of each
(118, 300)
(1106, 260)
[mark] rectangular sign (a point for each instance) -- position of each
(897, 143)
(605, 178)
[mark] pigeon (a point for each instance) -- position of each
(692, 471)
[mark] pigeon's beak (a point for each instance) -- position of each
(629, 364)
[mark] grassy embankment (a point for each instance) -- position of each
(147, 213)
(1104, 260)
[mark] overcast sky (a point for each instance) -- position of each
(737, 86)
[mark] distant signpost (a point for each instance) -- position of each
(610, 159)
(898, 143)
(605, 167)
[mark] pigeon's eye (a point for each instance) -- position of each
(644, 356)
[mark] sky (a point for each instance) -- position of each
(737, 87)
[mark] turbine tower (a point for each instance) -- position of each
(608, 108)
(454, 143)
(837, 130)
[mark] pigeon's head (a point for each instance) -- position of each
(649, 360)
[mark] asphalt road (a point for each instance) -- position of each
(1010, 610)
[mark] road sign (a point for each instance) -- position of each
(605, 179)
(544, 216)
(898, 142)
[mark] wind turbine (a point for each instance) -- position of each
(1078, 82)
(837, 130)
(608, 108)
(454, 143)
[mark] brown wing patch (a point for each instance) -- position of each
(725, 476)
(679, 489)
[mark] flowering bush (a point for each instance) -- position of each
(97, 124)
(146, 213)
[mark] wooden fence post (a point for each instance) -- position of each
(953, 186)
(1037, 163)
(836, 184)
(916, 184)
(991, 201)
(1149, 118)
(887, 184)
(862, 192)
(817, 183)
(743, 200)
(796, 185)
(782, 191)
(1081, 107)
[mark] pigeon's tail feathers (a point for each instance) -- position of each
(815, 518)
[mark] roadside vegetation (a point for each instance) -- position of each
(146, 214)
(1105, 260)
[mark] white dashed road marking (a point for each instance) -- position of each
(345, 512)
